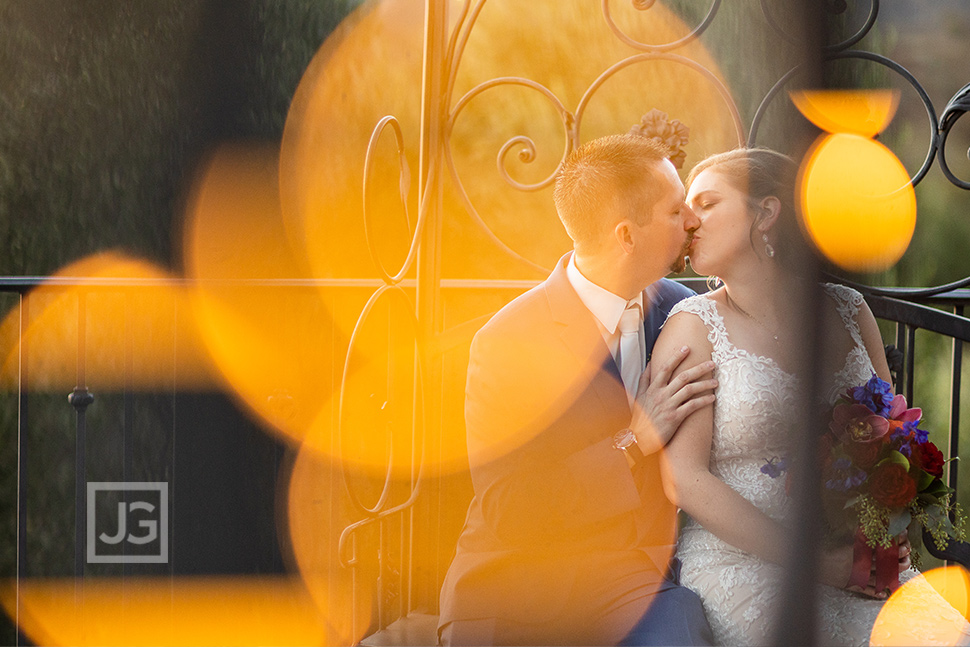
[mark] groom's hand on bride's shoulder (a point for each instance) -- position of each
(662, 402)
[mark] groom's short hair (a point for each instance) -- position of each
(605, 181)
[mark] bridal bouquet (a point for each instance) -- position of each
(881, 475)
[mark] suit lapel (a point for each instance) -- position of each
(653, 317)
(581, 336)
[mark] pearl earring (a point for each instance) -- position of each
(769, 250)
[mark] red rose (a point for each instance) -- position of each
(891, 486)
(864, 455)
(930, 458)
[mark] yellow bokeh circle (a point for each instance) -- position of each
(928, 609)
(861, 112)
(858, 205)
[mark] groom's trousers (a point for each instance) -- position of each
(676, 617)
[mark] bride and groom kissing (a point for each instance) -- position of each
(581, 448)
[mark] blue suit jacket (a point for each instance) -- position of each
(556, 509)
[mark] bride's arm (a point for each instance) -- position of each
(872, 338)
(688, 482)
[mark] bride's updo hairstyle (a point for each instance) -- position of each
(760, 173)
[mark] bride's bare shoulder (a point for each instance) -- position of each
(684, 328)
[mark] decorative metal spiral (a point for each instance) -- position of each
(833, 7)
(404, 188)
(956, 108)
(528, 151)
(571, 125)
(876, 58)
(384, 506)
(643, 5)
(661, 56)
(381, 507)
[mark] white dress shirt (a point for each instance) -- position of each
(606, 308)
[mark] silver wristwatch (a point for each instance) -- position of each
(626, 442)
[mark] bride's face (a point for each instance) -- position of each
(724, 237)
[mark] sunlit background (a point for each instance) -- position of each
(188, 178)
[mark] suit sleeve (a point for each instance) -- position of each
(666, 294)
(543, 465)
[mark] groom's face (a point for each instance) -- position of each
(670, 226)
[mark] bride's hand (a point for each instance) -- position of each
(836, 566)
(663, 403)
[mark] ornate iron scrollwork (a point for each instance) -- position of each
(876, 58)
(405, 185)
(571, 119)
(644, 5)
(958, 105)
(832, 7)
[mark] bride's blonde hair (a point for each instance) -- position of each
(760, 173)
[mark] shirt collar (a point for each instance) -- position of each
(605, 306)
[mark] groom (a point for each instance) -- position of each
(569, 537)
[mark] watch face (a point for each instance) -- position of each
(624, 438)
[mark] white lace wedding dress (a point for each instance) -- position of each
(755, 398)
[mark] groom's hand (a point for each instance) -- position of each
(663, 403)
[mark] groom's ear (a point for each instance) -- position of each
(770, 208)
(624, 235)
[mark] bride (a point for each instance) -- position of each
(735, 539)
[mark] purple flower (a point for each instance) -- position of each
(908, 435)
(877, 395)
(922, 436)
(774, 466)
(903, 432)
(845, 476)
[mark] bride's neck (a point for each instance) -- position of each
(762, 293)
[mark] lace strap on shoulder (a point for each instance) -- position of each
(706, 310)
(847, 303)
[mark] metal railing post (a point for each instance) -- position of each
(428, 289)
(22, 429)
(80, 398)
(427, 293)
(956, 367)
